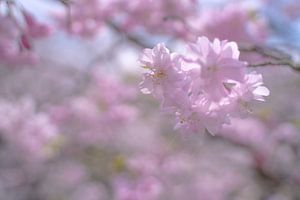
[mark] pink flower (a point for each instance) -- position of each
(250, 89)
(163, 69)
(219, 63)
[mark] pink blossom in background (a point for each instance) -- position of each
(17, 36)
(105, 106)
(83, 18)
(147, 188)
(13, 49)
(163, 17)
(249, 131)
(235, 22)
(34, 28)
(34, 130)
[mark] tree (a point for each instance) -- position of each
(76, 120)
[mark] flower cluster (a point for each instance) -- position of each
(205, 87)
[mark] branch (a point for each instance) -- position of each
(265, 51)
(132, 38)
(279, 57)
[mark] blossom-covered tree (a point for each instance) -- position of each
(149, 99)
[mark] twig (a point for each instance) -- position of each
(132, 38)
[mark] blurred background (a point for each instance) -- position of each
(75, 126)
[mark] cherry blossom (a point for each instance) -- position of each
(204, 87)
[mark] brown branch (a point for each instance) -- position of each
(264, 51)
(282, 63)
